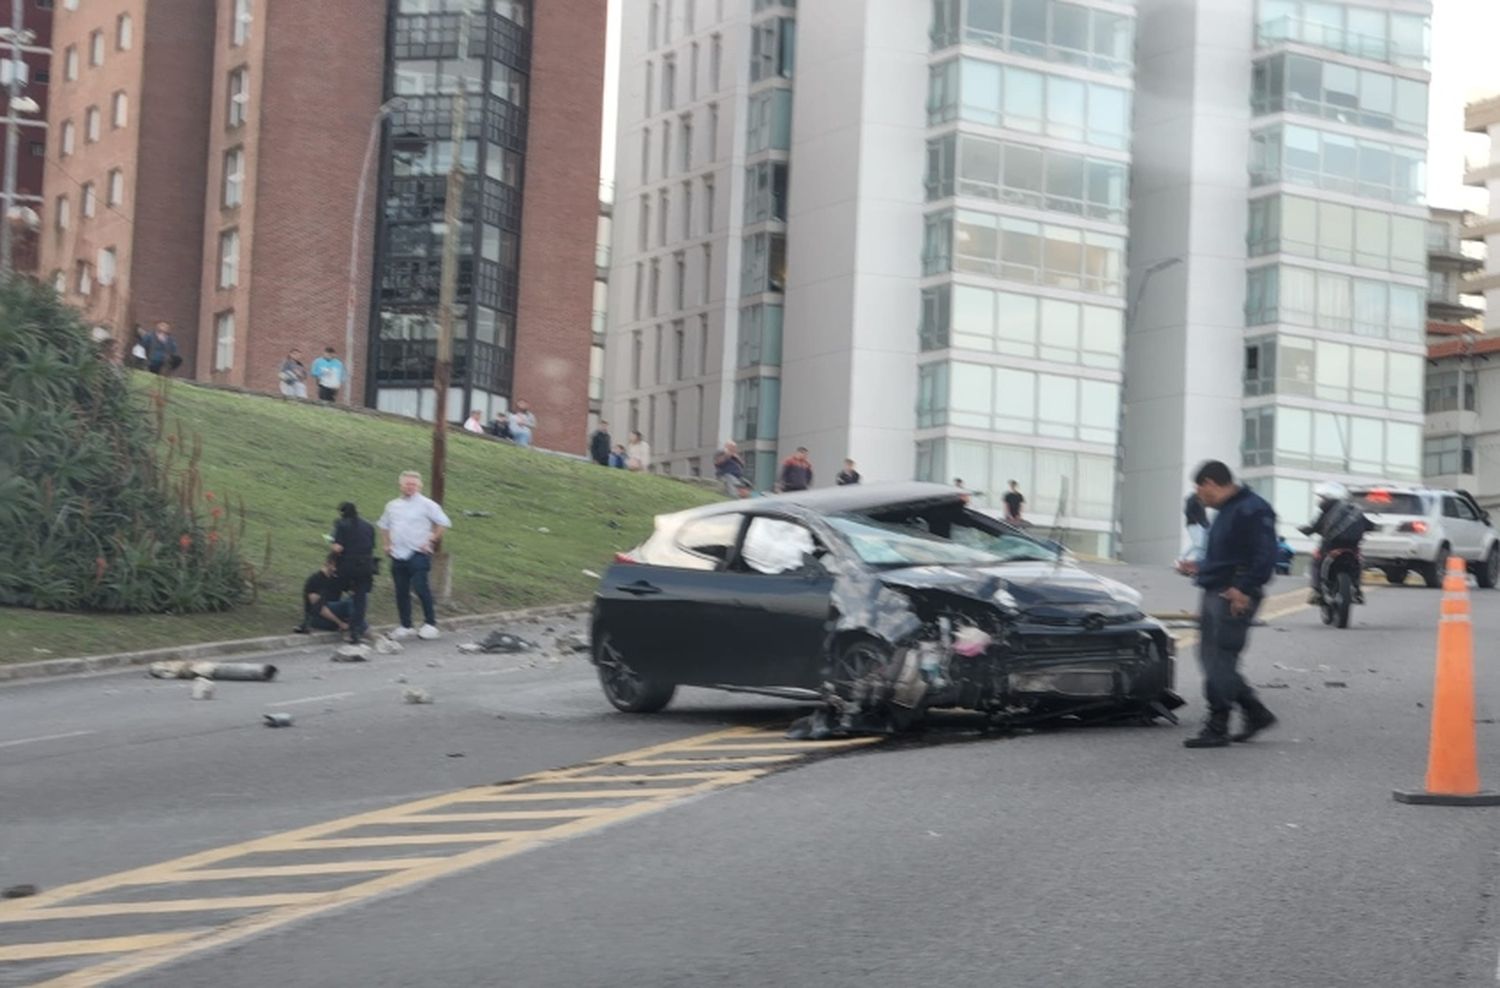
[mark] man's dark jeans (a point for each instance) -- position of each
(1222, 637)
(341, 609)
(411, 575)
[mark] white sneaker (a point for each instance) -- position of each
(403, 633)
(428, 632)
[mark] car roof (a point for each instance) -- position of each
(831, 500)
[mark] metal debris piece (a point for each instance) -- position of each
(352, 653)
(277, 720)
(18, 891)
(505, 642)
(203, 689)
(259, 672)
(416, 695)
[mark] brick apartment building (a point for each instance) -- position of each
(238, 165)
(36, 17)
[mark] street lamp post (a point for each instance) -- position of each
(376, 125)
(1131, 305)
(16, 36)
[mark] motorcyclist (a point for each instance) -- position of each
(1340, 525)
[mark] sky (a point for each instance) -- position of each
(1465, 67)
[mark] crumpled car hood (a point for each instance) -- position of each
(1028, 587)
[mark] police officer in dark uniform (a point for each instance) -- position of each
(1239, 561)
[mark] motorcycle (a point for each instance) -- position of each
(1338, 585)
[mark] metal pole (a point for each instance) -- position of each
(359, 213)
(452, 218)
(12, 133)
(1131, 304)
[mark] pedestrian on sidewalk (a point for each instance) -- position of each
(599, 444)
(354, 546)
(293, 375)
(729, 470)
(1014, 501)
(848, 476)
(328, 372)
(411, 527)
(162, 356)
(1237, 564)
(796, 472)
(522, 423)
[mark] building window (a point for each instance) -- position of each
(119, 110)
(702, 357)
(760, 336)
(96, 48)
(645, 154)
(234, 177)
(769, 121)
(1335, 302)
(708, 273)
(38, 149)
(765, 192)
(713, 132)
(687, 210)
(679, 268)
(84, 278)
(686, 128)
(1338, 163)
(1026, 251)
(514, 11)
(1447, 456)
(643, 235)
(693, 69)
(107, 259)
(224, 341)
(708, 205)
(239, 32)
(1358, 97)
(116, 190)
(70, 63)
(88, 202)
(666, 149)
(663, 217)
(91, 118)
(59, 281)
(757, 408)
(1451, 391)
(653, 29)
(62, 216)
(763, 264)
(67, 139)
(239, 95)
(650, 105)
(772, 48)
(1026, 100)
(1339, 233)
(1025, 175)
(668, 83)
(124, 32)
(229, 258)
(637, 352)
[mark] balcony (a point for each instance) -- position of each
(1316, 34)
(1481, 173)
(1480, 116)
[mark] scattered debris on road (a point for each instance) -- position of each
(352, 653)
(1335, 684)
(501, 642)
(573, 641)
(18, 891)
(203, 689)
(257, 672)
(416, 695)
(386, 645)
(277, 720)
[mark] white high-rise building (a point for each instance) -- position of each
(1278, 193)
(923, 210)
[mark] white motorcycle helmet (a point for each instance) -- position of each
(1331, 491)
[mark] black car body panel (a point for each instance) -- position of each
(1032, 636)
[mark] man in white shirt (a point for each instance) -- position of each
(410, 528)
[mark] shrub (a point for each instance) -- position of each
(90, 516)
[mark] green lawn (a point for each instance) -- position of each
(293, 463)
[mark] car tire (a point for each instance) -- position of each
(1395, 575)
(1432, 573)
(1488, 572)
(625, 689)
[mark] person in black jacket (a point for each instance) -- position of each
(1238, 562)
(1340, 525)
(599, 444)
(354, 546)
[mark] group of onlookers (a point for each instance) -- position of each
(634, 455)
(327, 372)
(517, 425)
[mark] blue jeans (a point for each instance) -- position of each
(341, 609)
(521, 437)
(408, 575)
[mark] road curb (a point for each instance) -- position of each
(83, 665)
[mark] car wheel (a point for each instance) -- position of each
(626, 689)
(1432, 573)
(859, 669)
(1489, 570)
(1395, 575)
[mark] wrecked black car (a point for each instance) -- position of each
(879, 603)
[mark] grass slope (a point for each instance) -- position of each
(293, 462)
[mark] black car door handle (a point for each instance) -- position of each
(640, 588)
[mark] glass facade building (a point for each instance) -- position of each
(1023, 256)
(1336, 281)
(424, 69)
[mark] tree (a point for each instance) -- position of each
(90, 516)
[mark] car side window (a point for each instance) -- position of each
(1450, 508)
(1465, 512)
(774, 546)
(713, 537)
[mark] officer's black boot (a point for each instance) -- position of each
(1257, 718)
(1215, 733)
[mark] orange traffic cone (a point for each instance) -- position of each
(1452, 759)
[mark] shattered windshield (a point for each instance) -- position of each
(886, 545)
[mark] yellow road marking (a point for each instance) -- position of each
(163, 906)
(103, 945)
(713, 768)
(144, 960)
(285, 871)
(736, 745)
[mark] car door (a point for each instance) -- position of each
(661, 616)
(774, 604)
(1473, 529)
(1457, 529)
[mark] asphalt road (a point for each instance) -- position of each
(1105, 856)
